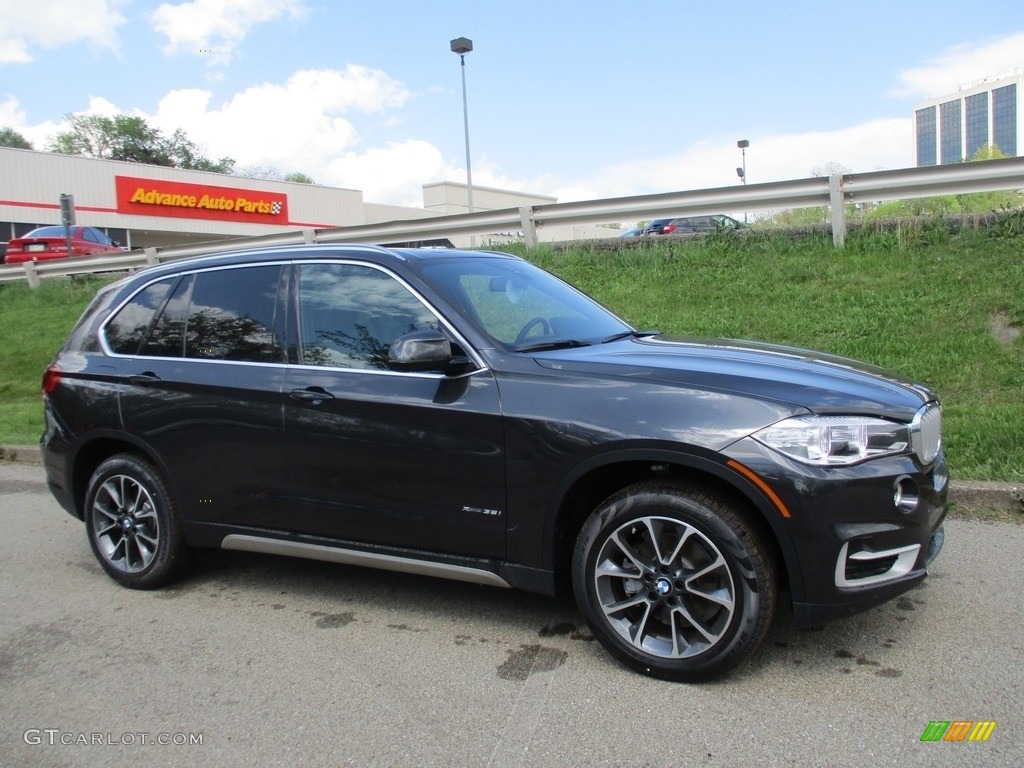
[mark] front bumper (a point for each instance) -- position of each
(856, 536)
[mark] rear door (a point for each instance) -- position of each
(204, 390)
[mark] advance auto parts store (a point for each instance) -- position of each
(143, 206)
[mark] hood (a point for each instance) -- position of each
(816, 381)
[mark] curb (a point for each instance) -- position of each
(967, 494)
(26, 454)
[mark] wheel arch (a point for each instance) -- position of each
(98, 449)
(597, 478)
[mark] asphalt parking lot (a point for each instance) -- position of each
(257, 660)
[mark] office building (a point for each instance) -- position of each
(952, 128)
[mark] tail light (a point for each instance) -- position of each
(669, 229)
(51, 377)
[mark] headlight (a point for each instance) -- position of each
(836, 440)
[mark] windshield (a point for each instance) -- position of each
(47, 232)
(521, 306)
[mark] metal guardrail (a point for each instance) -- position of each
(834, 191)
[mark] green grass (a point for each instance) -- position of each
(921, 301)
(34, 324)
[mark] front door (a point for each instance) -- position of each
(410, 460)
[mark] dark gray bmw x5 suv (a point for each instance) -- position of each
(470, 416)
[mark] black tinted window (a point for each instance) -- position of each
(231, 315)
(127, 329)
(349, 315)
(168, 335)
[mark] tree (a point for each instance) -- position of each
(270, 173)
(299, 178)
(11, 138)
(831, 168)
(131, 139)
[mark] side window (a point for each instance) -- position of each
(349, 315)
(127, 329)
(168, 335)
(231, 315)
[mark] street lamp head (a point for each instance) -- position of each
(462, 45)
(742, 143)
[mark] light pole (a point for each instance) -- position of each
(462, 46)
(742, 170)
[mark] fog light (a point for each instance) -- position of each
(906, 495)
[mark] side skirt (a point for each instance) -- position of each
(246, 543)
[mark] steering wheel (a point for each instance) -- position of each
(525, 330)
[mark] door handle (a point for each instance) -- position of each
(144, 378)
(314, 395)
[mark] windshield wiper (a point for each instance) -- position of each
(628, 334)
(542, 346)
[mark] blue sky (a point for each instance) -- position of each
(575, 100)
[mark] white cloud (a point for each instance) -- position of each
(871, 146)
(40, 134)
(299, 125)
(26, 27)
(960, 65)
(215, 28)
(393, 174)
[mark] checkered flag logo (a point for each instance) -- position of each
(275, 208)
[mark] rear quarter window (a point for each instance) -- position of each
(128, 328)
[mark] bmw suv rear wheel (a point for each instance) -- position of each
(132, 526)
(674, 582)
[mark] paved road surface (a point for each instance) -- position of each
(280, 662)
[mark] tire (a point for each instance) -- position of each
(674, 582)
(131, 523)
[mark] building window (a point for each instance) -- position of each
(1004, 119)
(949, 125)
(977, 122)
(926, 138)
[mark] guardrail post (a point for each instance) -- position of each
(151, 255)
(837, 203)
(529, 228)
(31, 274)
(309, 236)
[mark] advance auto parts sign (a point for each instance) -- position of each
(155, 197)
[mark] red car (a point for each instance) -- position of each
(49, 243)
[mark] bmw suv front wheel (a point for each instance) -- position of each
(674, 582)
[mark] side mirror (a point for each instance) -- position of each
(425, 350)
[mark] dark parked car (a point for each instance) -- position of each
(691, 224)
(468, 415)
(49, 243)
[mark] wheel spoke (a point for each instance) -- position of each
(637, 630)
(622, 605)
(610, 569)
(685, 614)
(112, 491)
(721, 595)
(654, 535)
(628, 551)
(687, 532)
